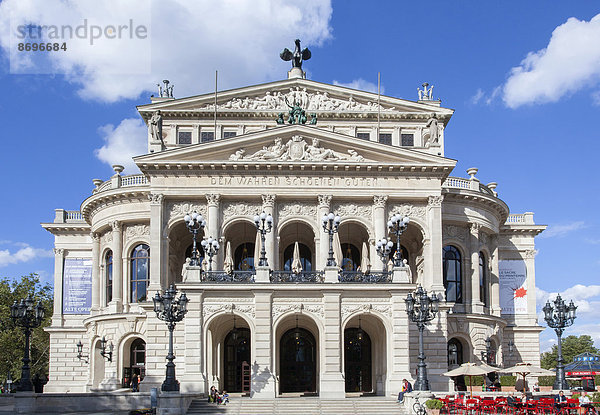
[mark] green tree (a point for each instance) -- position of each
(12, 339)
(571, 347)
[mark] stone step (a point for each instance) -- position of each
(303, 406)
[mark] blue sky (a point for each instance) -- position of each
(523, 78)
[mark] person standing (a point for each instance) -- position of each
(135, 381)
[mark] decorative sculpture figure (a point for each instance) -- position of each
(166, 91)
(426, 94)
(297, 56)
(432, 124)
(156, 127)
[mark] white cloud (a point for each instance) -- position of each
(562, 230)
(128, 139)
(24, 254)
(187, 41)
(361, 85)
(569, 63)
(477, 97)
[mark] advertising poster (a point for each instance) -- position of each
(77, 286)
(513, 286)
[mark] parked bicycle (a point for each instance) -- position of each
(418, 407)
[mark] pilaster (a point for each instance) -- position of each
(157, 274)
(268, 204)
(332, 381)
(95, 272)
(323, 209)
(379, 227)
(116, 304)
(59, 260)
(433, 278)
(263, 380)
(476, 300)
(494, 277)
(213, 225)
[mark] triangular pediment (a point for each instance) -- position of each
(295, 145)
(313, 96)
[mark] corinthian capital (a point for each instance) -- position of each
(325, 200)
(379, 200)
(435, 201)
(116, 225)
(474, 228)
(212, 199)
(155, 198)
(268, 200)
(59, 251)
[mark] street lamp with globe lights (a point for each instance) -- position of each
(421, 309)
(28, 316)
(397, 225)
(194, 223)
(559, 317)
(211, 247)
(331, 224)
(264, 225)
(384, 248)
(171, 311)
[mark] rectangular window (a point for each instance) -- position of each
(207, 136)
(229, 134)
(363, 136)
(408, 140)
(385, 138)
(184, 137)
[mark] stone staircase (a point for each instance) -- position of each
(300, 406)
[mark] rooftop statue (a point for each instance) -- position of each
(166, 91)
(297, 56)
(426, 94)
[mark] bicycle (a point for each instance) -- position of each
(418, 408)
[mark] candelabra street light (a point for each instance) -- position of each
(264, 225)
(170, 310)
(211, 247)
(421, 309)
(106, 354)
(331, 223)
(384, 248)
(396, 225)
(27, 316)
(488, 356)
(194, 223)
(559, 317)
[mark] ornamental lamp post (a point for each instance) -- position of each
(331, 224)
(170, 310)
(27, 316)
(211, 247)
(106, 354)
(264, 225)
(559, 317)
(194, 223)
(397, 225)
(384, 248)
(421, 309)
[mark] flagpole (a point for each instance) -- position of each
(216, 77)
(378, 102)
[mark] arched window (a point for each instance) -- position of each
(351, 260)
(244, 257)
(108, 269)
(483, 280)
(140, 272)
(305, 257)
(452, 274)
(455, 353)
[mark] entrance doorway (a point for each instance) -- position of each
(357, 360)
(298, 363)
(236, 360)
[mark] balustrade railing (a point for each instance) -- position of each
(300, 277)
(73, 216)
(457, 182)
(375, 277)
(133, 180)
(224, 277)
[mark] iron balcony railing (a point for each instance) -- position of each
(300, 277)
(222, 276)
(375, 277)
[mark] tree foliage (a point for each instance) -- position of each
(12, 339)
(571, 347)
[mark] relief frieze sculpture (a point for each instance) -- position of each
(180, 209)
(296, 209)
(296, 149)
(233, 209)
(309, 101)
(408, 210)
(362, 210)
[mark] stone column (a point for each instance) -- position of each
(268, 201)
(529, 256)
(332, 381)
(323, 209)
(96, 277)
(117, 269)
(59, 260)
(212, 225)
(379, 229)
(262, 369)
(434, 278)
(476, 301)
(158, 277)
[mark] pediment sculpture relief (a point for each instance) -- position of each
(309, 101)
(296, 149)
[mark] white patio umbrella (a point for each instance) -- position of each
(525, 369)
(228, 264)
(296, 263)
(470, 370)
(337, 250)
(365, 264)
(257, 250)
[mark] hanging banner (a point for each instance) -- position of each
(77, 286)
(513, 286)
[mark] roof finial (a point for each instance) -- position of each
(297, 57)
